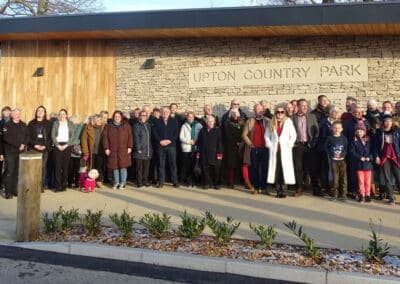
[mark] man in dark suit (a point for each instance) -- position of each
(165, 134)
(304, 151)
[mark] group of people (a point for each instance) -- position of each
(354, 154)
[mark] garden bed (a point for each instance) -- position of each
(250, 250)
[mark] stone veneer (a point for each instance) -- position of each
(168, 81)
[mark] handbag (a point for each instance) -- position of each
(76, 149)
(197, 168)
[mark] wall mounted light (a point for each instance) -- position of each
(38, 72)
(149, 63)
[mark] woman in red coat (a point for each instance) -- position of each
(118, 143)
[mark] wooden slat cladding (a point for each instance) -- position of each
(257, 31)
(78, 76)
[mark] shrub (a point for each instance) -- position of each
(124, 223)
(91, 221)
(311, 250)
(60, 220)
(376, 250)
(267, 235)
(54, 223)
(223, 231)
(156, 224)
(191, 226)
(69, 218)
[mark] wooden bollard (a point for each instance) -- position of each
(29, 190)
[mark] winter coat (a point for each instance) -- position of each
(14, 134)
(76, 139)
(87, 143)
(209, 145)
(247, 136)
(161, 131)
(54, 132)
(379, 141)
(232, 136)
(312, 128)
(320, 113)
(118, 140)
(142, 141)
(286, 142)
(358, 150)
(185, 135)
(39, 133)
(325, 129)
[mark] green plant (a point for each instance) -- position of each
(191, 226)
(124, 223)
(311, 250)
(91, 221)
(267, 235)
(54, 223)
(156, 224)
(223, 231)
(69, 218)
(376, 250)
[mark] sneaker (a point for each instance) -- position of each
(361, 198)
(122, 186)
(116, 186)
(368, 198)
(391, 202)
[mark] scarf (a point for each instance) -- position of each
(116, 124)
(192, 136)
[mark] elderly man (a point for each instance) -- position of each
(253, 136)
(304, 151)
(15, 137)
(165, 135)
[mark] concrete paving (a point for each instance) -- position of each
(331, 224)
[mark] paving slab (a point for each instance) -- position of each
(331, 224)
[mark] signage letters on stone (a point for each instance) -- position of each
(296, 72)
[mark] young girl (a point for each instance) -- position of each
(361, 152)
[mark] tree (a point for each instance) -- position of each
(47, 7)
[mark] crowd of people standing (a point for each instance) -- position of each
(353, 154)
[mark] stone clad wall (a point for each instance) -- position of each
(169, 82)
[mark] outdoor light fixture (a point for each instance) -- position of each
(149, 63)
(38, 72)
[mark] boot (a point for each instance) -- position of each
(250, 187)
(373, 191)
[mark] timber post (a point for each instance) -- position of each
(29, 190)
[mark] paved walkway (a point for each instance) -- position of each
(332, 224)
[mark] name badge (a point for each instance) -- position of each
(40, 136)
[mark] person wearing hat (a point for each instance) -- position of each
(361, 154)
(387, 153)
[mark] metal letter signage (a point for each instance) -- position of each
(295, 72)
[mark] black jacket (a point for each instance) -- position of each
(14, 134)
(170, 131)
(39, 133)
(209, 144)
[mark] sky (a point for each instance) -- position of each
(137, 5)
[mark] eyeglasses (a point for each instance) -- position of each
(235, 104)
(280, 112)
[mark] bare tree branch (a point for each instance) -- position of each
(48, 7)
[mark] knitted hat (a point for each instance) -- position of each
(386, 115)
(360, 126)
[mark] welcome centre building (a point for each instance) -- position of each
(91, 62)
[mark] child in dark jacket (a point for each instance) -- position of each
(361, 154)
(336, 148)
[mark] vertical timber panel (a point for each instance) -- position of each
(78, 75)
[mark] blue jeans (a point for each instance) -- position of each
(120, 176)
(163, 153)
(258, 169)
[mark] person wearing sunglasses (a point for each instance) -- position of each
(280, 136)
